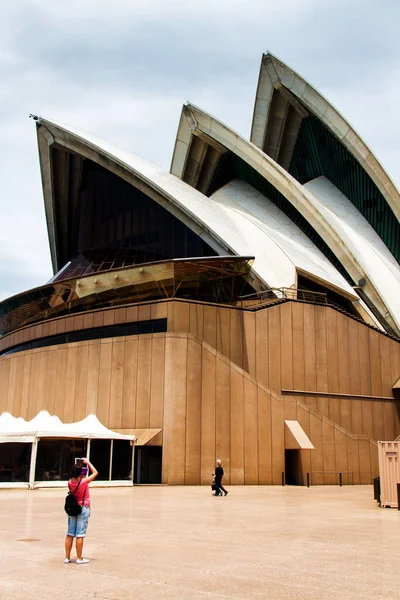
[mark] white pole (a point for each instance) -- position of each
(33, 463)
(133, 461)
(88, 449)
(111, 458)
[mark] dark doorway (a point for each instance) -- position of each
(148, 463)
(293, 471)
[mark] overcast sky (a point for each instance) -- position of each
(122, 69)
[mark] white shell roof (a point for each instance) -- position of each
(225, 226)
(273, 74)
(379, 265)
(285, 247)
(194, 120)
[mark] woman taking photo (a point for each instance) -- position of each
(77, 526)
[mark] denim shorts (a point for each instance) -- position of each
(77, 526)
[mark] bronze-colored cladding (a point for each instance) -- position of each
(221, 383)
(213, 279)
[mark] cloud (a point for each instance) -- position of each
(123, 69)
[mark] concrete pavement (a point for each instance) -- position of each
(181, 542)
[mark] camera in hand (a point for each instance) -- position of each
(79, 462)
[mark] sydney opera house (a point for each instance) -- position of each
(243, 306)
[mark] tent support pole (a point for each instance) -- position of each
(33, 463)
(133, 461)
(88, 449)
(111, 459)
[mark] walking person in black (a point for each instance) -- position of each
(219, 473)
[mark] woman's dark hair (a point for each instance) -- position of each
(76, 472)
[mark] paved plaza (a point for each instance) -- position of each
(181, 542)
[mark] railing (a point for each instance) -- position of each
(339, 479)
(273, 295)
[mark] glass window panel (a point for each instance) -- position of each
(100, 458)
(15, 461)
(122, 460)
(56, 457)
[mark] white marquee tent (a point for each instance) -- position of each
(44, 425)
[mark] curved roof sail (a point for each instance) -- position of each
(299, 128)
(208, 154)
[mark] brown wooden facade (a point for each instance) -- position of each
(220, 383)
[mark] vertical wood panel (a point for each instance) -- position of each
(210, 325)
(130, 383)
(181, 317)
(193, 414)
(117, 383)
(61, 325)
(196, 320)
(120, 315)
(278, 441)
(353, 459)
(144, 313)
(274, 345)
(12, 382)
(298, 346)
(286, 346)
(51, 387)
(132, 314)
(222, 415)
(98, 318)
(26, 374)
(78, 322)
(53, 328)
(317, 455)
(81, 382)
(104, 381)
(341, 453)
(388, 415)
(236, 340)
(159, 310)
(376, 385)
(250, 433)
(321, 358)
(5, 382)
(88, 319)
(249, 342)
(143, 386)
(310, 361)
(264, 438)
(303, 417)
(365, 462)
(328, 434)
(61, 381)
(262, 363)
(344, 370)
(355, 377)
(109, 317)
(174, 438)
(40, 376)
(67, 411)
(157, 381)
(207, 414)
(93, 377)
(237, 427)
(365, 362)
(223, 331)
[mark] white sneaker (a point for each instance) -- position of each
(67, 560)
(82, 561)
